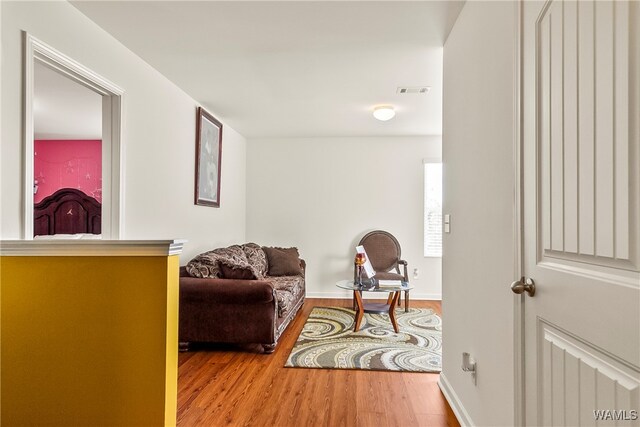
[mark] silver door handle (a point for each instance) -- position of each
(524, 285)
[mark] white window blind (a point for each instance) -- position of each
(432, 209)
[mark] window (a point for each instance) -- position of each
(432, 208)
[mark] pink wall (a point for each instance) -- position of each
(68, 164)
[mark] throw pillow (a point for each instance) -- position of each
(283, 261)
(256, 258)
(231, 271)
(204, 266)
(207, 265)
(233, 253)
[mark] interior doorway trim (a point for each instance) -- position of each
(518, 161)
(112, 149)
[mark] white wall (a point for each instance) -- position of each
(323, 194)
(158, 134)
(478, 262)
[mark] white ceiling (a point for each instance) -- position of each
(63, 108)
(294, 68)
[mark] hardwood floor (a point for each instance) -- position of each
(224, 385)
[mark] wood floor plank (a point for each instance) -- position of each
(429, 402)
(372, 419)
(368, 396)
(241, 386)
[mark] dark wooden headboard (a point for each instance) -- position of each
(67, 211)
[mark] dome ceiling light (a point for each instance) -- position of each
(384, 112)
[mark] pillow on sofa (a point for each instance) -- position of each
(204, 266)
(230, 270)
(207, 265)
(256, 258)
(283, 261)
(233, 254)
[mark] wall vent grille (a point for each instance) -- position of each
(413, 89)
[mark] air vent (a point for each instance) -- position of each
(413, 89)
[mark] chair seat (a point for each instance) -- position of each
(388, 276)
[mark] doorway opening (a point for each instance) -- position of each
(72, 181)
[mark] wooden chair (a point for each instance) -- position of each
(383, 251)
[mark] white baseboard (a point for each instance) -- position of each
(458, 409)
(336, 294)
(349, 295)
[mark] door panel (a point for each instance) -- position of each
(584, 176)
(581, 198)
(580, 378)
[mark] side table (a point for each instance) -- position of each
(377, 308)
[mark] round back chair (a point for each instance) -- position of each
(383, 251)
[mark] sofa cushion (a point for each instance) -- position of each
(285, 300)
(229, 270)
(283, 261)
(292, 284)
(256, 258)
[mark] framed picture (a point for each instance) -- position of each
(208, 159)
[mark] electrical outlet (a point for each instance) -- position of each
(416, 273)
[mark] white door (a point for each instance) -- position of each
(581, 165)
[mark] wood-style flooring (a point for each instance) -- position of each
(239, 386)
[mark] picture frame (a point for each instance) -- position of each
(208, 159)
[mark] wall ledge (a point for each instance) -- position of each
(91, 247)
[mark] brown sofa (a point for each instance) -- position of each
(238, 310)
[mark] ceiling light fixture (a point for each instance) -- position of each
(384, 112)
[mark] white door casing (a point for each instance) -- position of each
(581, 204)
(112, 160)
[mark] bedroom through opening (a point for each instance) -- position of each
(67, 157)
(72, 148)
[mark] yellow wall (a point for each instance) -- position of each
(88, 341)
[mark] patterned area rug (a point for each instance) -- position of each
(328, 341)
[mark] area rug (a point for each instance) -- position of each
(327, 340)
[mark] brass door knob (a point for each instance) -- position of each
(525, 284)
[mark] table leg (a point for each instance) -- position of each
(355, 305)
(406, 301)
(360, 310)
(392, 311)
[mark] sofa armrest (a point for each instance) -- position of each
(303, 266)
(224, 291)
(226, 310)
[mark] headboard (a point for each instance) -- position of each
(67, 211)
